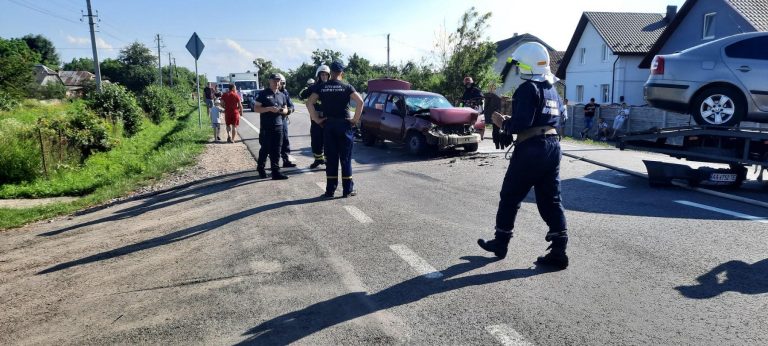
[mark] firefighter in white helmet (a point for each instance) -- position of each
(535, 161)
(286, 147)
(322, 74)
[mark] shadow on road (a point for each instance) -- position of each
(168, 198)
(178, 235)
(296, 325)
(739, 277)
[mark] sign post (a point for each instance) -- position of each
(195, 47)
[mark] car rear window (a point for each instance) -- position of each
(751, 48)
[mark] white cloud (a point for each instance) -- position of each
(84, 41)
(239, 49)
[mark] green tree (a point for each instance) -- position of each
(325, 56)
(137, 54)
(134, 67)
(297, 79)
(46, 49)
(472, 54)
(266, 68)
(16, 67)
(79, 64)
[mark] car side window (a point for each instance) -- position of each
(751, 48)
(371, 99)
(379, 104)
(394, 103)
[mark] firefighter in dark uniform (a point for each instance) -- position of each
(273, 106)
(338, 128)
(535, 161)
(286, 148)
(322, 74)
(472, 96)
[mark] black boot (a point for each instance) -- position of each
(556, 257)
(498, 245)
(262, 172)
(316, 163)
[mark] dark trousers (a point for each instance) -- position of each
(286, 146)
(535, 163)
(271, 141)
(339, 137)
(316, 137)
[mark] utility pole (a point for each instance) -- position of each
(159, 66)
(170, 69)
(387, 55)
(96, 68)
(175, 73)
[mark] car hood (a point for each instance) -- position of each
(453, 116)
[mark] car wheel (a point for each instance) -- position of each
(417, 144)
(719, 106)
(369, 139)
(471, 148)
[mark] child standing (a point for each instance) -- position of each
(216, 118)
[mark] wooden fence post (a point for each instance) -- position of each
(42, 151)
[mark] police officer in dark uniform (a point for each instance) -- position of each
(286, 148)
(338, 128)
(323, 74)
(536, 159)
(273, 106)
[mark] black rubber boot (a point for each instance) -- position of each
(262, 172)
(556, 257)
(317, 163)
(498, 245)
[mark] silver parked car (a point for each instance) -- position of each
(720, 83)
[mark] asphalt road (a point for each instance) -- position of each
(242, 260)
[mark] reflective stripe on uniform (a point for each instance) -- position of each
(331, 177)
(346, 178)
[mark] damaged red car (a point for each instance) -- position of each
(421, 120)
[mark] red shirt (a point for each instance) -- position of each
(231, 102)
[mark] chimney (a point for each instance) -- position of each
(671, 11)
(514, 35)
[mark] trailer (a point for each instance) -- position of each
(738, 147)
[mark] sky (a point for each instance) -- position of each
(235, 32)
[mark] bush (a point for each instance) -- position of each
(160, 103)
(48, 91)
(86, 132)
(114, 103)
(7, 102)
(19, 152)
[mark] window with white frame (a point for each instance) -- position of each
(708, 31)
(605, 92)
(580, 93)
(582, 55)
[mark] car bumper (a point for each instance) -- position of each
(668, 96)
(448, 141)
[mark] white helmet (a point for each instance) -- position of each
(323, 68)
(533, 59)
(310, 81)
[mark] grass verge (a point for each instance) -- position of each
(156, 150)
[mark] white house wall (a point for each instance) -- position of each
(513, 80)
(595, 72)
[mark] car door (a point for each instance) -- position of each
(748, 61)
(392, 118)
(371, 117)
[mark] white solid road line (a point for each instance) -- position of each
(250, 124)
(723, 211)
(598, 182)
(419, 264)
(358, 214)
(507, 336)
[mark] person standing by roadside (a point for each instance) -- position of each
(233, 107)
(323, 73)
(216, 120)
(473, 96)
(210, 95)
(338, 125)
(589, 116)
(272, 105)
(535, 163)
(286, 147)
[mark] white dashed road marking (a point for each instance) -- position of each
(419, 264)
(251, 125)
(598, 182)
(358, 214)
(507, 336)
(723, 211)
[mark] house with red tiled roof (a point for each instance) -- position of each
(602, 58)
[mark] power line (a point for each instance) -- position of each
(43, 11)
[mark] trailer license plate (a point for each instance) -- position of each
(723, 177)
